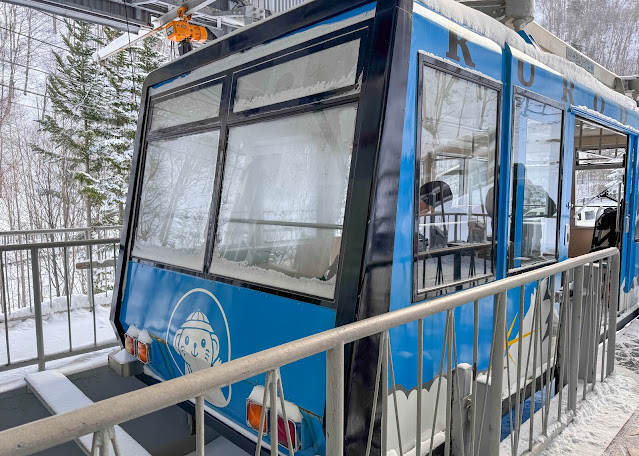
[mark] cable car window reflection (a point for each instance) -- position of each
(283, 201)
(190, 105)
(329, 69)
(456, 179)
(535, 169)
(176, 200)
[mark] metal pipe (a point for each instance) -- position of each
(199, 426)
(37, 304)
(496, 384)
(4, 308)
(575, 338)
(420, 382)
(91, 297)
(50, 245)
(273, 412)
(51, 431)
(335, 400)
(58, 230)
(612, 312)
(65, 262)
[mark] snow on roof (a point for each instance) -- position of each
(497, 32)
(262, 50)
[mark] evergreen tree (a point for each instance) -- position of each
(79, 124)
(126, 73)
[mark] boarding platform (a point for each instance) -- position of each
(59, 395)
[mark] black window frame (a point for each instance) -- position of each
(517, 90)
(481, 80)
(228, 119)
(176, 93)
(309, 47)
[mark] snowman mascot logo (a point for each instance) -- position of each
(197, 342)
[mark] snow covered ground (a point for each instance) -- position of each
(55, 325)
(605, 411)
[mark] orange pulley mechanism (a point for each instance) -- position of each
(184, 33)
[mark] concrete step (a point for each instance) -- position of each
(59, 395)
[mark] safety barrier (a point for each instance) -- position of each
(585, 321)
(38, 265)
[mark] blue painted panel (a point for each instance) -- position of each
(433, 38)
(186, 316)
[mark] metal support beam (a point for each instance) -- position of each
(103, 12)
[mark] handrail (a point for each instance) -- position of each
(58, 230)
(50, 245)
(48, 432)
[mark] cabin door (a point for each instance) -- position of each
(598, 189)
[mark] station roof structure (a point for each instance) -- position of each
(221, 16)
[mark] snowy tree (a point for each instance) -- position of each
(78, 126)
(126, 72)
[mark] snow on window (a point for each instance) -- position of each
(283, 201)
(176, 199)
(456, 180)
(536, 153)
(190, 105)
(327, 28)
(330, 69)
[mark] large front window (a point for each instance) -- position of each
(535, 181)
(176, 200)
(283, 201)
(456, 191)
(277, 203)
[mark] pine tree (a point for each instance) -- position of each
(78, 126)
(126, 73)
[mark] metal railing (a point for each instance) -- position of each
(41, 265)
(585, 319)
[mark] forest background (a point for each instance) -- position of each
(67, 125)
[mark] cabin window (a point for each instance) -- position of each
(598, 187)
(535, 182)
(283, 201)
(176, 200)
(456, 177)
(330, 69)
(197, 103)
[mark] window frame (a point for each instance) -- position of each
(320, 44)
(438, 64)
(176, 93)
(510, 271)
(228, 119)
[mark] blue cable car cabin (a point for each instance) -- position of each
(346, 159)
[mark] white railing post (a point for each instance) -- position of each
(37, 307)
(96, 418)
(612, 309)
(273, 412)
(575, 337)
(496, 379)
(335, 401)
(199, 426)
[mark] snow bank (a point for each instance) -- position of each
(59, 304)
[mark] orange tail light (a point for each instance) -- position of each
(144, 352)
(253, 415)
(130, 344)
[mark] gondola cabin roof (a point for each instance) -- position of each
(473, 25)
